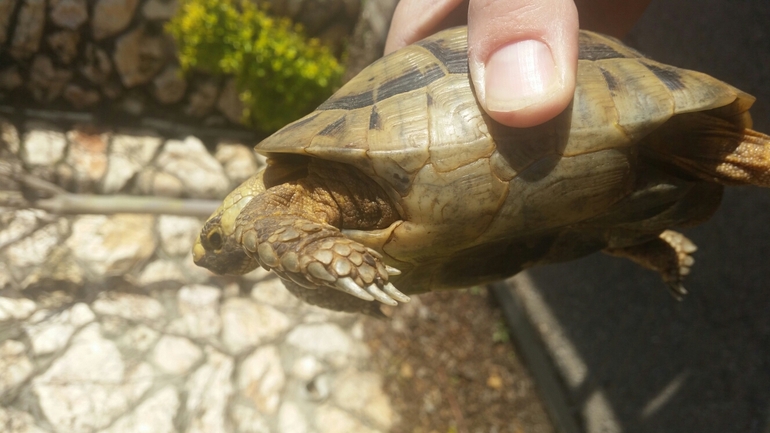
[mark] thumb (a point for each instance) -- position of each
(523, 58)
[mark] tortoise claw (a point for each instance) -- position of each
(391, 290)
(380, 295)
(350, 287)
(392, 271)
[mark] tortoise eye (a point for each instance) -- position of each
(215, 239)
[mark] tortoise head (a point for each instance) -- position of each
(219, 248)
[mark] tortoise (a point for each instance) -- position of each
(400, 179)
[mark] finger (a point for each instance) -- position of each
(523, 58)
(416, 19)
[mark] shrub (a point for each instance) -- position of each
(281, 75)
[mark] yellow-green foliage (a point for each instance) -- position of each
(281, 75)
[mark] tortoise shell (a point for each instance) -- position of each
(468, 188)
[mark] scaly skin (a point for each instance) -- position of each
(294, 229)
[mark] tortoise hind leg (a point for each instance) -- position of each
(668, 254)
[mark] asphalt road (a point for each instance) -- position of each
(642, 362)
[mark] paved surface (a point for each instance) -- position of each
(632, 359)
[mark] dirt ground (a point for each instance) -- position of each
(450, 368)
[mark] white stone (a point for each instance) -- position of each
(177, 234)
(14, 364)
(261, 379)
(175, 355)
(324, 340)
(43, 146)
(239, 161)
(69, 14)
(329, 419)
(49, 332)
(198, 307)
(208, 392)
(32, 250)
(128, 155)
(89, 385)
(159, 271)
(272, 292)
(16, 421)
(361, 393)
(154, 415)
(190, 162)
(15, 308)
(246, 324)
(112, 16)
(306, 367)
(87, 156)
(112, 245)
(133, 339)
(291, 419)
(129, 306)
(247, 419)
(29, 29)
(9, 135)
(18, 224)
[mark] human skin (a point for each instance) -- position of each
(522, 54)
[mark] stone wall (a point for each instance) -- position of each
(111, 61)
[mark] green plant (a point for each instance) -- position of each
(281, 75)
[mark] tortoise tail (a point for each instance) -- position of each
(713, 149)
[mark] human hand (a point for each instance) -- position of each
(522, 54)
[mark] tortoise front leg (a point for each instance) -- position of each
(294, 229)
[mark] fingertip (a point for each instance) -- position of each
(523, 58)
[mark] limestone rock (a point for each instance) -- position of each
(261, 379)
(239, 161)
(80, 97)
(112, 17)
(330, 419)
(152, 181)
(169, 86)
(229, 102)
(177, 233)
(112, 245)
(10, 78)
(156, 414)
(198, 308)
(138, 56)
(15, 308)
(6, 11)
(69, 14)
(128, 155)
(191, 163)
(202, 99)
(43, 145)
(45, 80)
(49, 331)
(247, 324)
(97, 65)
(175, 355)
(87, 157)
(29, 29)
(14, 364)
(322, 340)
(291, 419)
(129, 306)
(362, 394)
(160, 9)
(15, 421)
(90, 384)
(65, 44)
(208, 394)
